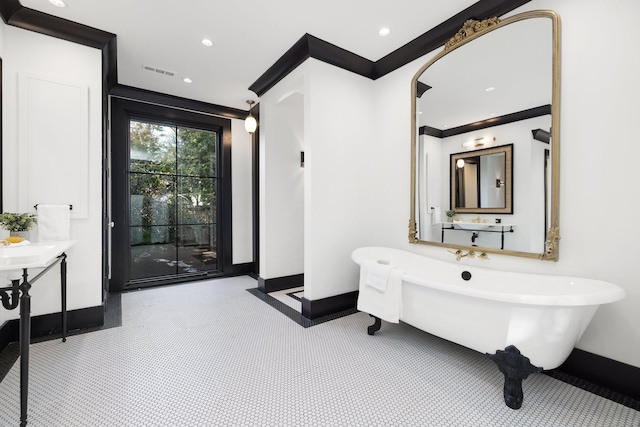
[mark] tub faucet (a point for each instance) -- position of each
(459, 254)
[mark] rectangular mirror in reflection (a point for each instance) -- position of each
(482, 180)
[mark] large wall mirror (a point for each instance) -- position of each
(485, 139)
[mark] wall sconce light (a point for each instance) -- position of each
(460, 163)
(499, 183)
(302, 159)
(250, 123)
(478, 142)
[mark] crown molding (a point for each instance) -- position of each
(312, 47)
(13, 13)
(542, 110)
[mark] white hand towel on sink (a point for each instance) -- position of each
(54, 222)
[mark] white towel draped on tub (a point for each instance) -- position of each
(380, 290)
(376, 275)
(54, 222)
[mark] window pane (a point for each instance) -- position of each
(196, 152)
(153, 259)
(196, 200)
(152, 199)
(173, 198)
(152, 148)
(205, 254)
(197, 247)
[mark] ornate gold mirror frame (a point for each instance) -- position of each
(471, 30)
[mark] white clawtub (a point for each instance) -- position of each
(541, 316)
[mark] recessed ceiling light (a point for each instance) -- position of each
(187, 80)
(384, 31)
(207, 42)
(58, 3)
(493, 114)
(490, 89)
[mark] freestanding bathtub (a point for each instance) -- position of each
(525, 322)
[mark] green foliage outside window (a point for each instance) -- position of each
(174, 170)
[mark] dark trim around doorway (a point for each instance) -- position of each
(122, 110)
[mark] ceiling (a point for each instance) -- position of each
(248, 36)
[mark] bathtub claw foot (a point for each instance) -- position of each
(376, 325)
(515, 367)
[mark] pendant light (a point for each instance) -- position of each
(250, 123)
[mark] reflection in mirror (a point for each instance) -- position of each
(485, 126)
(481, 180)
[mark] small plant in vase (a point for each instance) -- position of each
(450, 214)
(18, 224)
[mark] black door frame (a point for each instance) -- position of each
(122, 111)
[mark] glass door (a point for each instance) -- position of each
(173, 200)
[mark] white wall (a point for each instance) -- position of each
(282, 180)
(339, 178)
(432, 173)
(241, 195)
(598, 132)
(342, 177)
(29, 53)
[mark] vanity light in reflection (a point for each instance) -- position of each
(460, 163)
(478, 142)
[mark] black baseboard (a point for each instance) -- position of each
(280, 283)
(312, 309)
(49, 324)
(610, 374)
(241, 269)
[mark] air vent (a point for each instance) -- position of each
(158, 70)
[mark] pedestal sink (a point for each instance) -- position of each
(472, 225)
(31, 255)
(24, 251)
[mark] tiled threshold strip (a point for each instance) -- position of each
(576, 382)
(295, 315)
